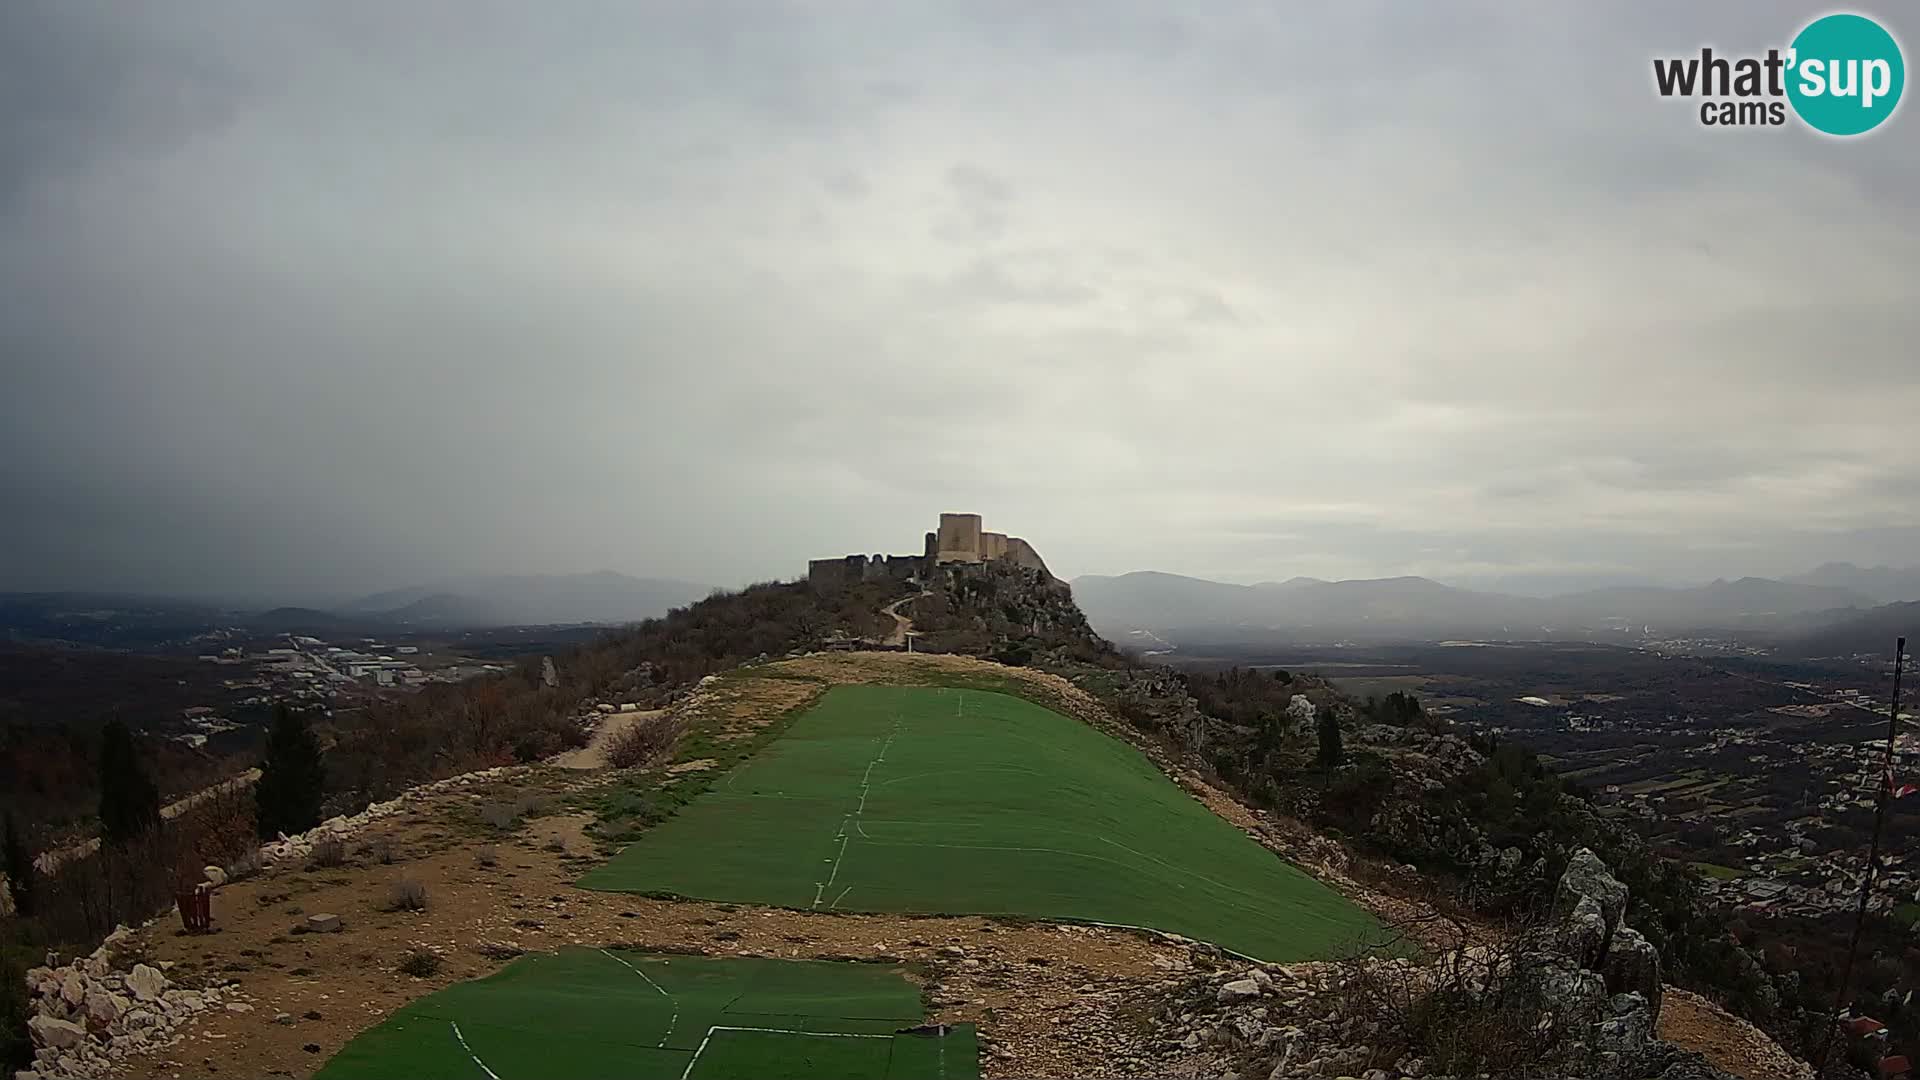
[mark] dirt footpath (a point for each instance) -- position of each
(1691, 1022)
(594, 754)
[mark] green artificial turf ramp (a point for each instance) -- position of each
(592, 1013)
(941, 800)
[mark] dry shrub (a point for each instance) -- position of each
(406, 894)
(497, 815)
(382, 850)
(643, 740)
(420, 963)
(246, 864)
(328, 853)
(1476, 1010)
(486, 855)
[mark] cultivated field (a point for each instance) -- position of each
(916, 799)
(648, 1016)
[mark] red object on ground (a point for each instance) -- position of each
(1862, 1026)
(196, 909)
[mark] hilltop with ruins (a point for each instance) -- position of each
(958, 542)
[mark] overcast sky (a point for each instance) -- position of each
(309, 299)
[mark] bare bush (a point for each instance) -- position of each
(406, 894)
(498, 815)
(382, 850)
(328, 853)
(643, 740)
(420, 963)
(486, 855)
(1484, 1009)
(246, 864)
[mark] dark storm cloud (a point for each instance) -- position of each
(309, 299)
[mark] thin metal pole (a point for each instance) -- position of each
(1873, 856)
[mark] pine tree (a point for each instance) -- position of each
(19, 868)
(129, 801)
(292, 779)
(1331, 752)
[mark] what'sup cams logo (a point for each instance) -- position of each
(1842, 75)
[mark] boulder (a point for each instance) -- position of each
(145, 982)
(1632, 966)
(56, 1034)
(215, 876)
(1587, 876)
(1576, 996)
(73, 989)
(1583, 932)
(324, 923)
(1238, 990)
(105, 1007)
(1627, 1030)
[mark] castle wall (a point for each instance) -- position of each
(1021, 553)
(835, 573)
(993, 545)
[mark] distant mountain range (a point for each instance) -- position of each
(113, 620)
(1419, 608)
(1883, 584)
(533, 600)
(1870, 632)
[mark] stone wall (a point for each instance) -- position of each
(853, 569)
(1020, 553)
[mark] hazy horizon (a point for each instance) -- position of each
(311, 302)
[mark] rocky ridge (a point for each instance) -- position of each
(1584, 987)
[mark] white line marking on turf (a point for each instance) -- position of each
(469, 1050)
(842, 896)
(675, 1018)
(769, 1031)
(866, 785)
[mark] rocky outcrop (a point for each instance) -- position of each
(88, 1016)
(1584, 989)
(1588, 883)
(1632, 965)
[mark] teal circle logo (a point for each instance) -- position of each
(1846, 74)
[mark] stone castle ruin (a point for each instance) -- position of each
(958, 541)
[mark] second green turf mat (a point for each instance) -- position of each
(913, 799)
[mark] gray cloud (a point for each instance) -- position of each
(316, 299)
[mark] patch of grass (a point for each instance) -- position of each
(1719, 873)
